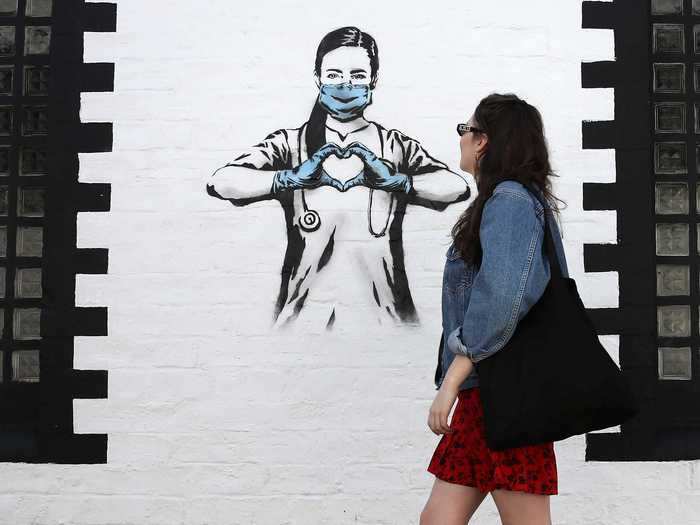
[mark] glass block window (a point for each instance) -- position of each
(8, 7)
(666, 7)
(670, 157)
(6, 80)
(671, 198)
(4, 160)
(672, 279)
(670, 117)
(668, 38)
(26, 323)
(669, 78)
(30, 202)
(27, 282)
(36, 120)
(674, 363)
(672, 239)
(35, 370)
(37, 40)
(36, 80)
(25, 365)
(6, 119)
(33, 161)
(39, 7)
(29, 241)
(673, 320)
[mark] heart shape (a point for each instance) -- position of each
(343, 166)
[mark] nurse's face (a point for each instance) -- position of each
(345, 64)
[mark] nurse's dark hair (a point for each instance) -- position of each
(344, 36)
(516, 149)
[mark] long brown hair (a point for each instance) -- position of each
(516, 149)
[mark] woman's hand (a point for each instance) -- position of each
(310, 173)
(378, 174)
(441, 407)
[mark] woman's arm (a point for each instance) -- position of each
(248, 178)
(434, 184)
(240, 184)
(440, 187)
(459, 369)
(510, 233)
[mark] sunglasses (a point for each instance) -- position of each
(464, 128)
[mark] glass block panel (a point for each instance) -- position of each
(37, 40)
(674, 363)
(6, 116)
(34, 161)
(39, 7)
(669, 78)
(30, 241)
(8, 7)
(4, 160)
(668, 38)
(670, 157)
(36, 80)
(28, 282)
(3, 241)
(672, 239)
(30, 202)
(36, 120)
(7, 41)
(696, 7)
(26, 323)
(673, 320)
(666, 7)
(25, 365)
(6, 74)
(3, 200)
(671, 197)
(672, 279)
(669, 117)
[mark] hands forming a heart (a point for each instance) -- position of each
(377, 173)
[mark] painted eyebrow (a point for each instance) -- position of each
(331, 69)
(358, 71)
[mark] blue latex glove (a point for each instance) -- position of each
(379, 174)
(310, 173)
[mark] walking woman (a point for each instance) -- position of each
(495, 271)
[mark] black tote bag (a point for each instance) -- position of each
(553, 379)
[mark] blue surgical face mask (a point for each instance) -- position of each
(345, 101)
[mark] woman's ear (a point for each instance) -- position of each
(317, 80)
(373, 82)
(481, 144)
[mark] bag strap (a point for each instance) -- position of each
(549, 248)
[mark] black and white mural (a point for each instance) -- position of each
(345, 183)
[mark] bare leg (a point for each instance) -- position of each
(522, 508)
(451, 504)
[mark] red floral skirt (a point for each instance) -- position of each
(463, 456)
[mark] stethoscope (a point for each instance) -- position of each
(311, 220)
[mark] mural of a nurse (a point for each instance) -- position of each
(344, 183)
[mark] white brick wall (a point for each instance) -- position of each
(213, 420)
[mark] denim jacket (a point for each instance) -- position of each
(482, 306)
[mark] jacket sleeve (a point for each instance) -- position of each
(509, 234)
